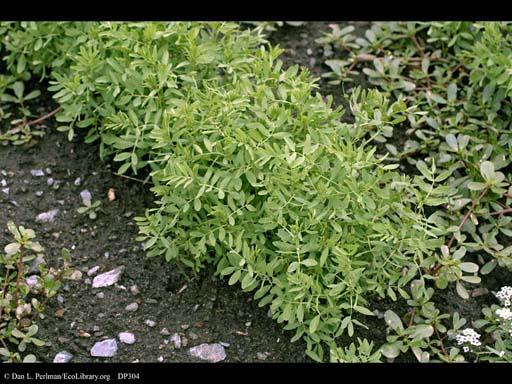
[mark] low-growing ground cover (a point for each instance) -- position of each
(255, 174)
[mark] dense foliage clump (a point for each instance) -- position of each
(254, 171)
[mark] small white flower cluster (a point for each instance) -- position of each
(468, 335)
(505, 296)
(504, 313)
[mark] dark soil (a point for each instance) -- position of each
(207, 311)
(202, 309)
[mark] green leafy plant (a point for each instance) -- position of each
(24, 297)
(90, 208)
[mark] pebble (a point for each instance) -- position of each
(86, 197)
(100, 295)
(60, 299)
(161, 359)
(105, 348)
(47, 217)
(224, 344)
(48, 171)
(176, 340)
(132, 307)
(50, 181)
(209, 352)
(39, 193)
(77, 181)
(165, 332)
(134, 290)
(196, 307)
(62, 357)
(150, 323)
(37, 172)
(127, 337)
(93, 270)
(31, 281)
(5, 190)
(3, 183)
(87, 281)
(76, 275)
(479, 292)
(193, 336)
(262, 355)
(108, 278)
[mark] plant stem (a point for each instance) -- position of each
(42, 118)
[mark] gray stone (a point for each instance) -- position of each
(208, 352)
(3, 183)
(134, 290)
(50, 181)
(100, 295)
(39, 193)
(176, 340)
(105, 348)
(127, 337)
(5, 190)
(62, 357)
(165, 332)
(108, 278)
(93, 270)
(37, 172)
(132, 307)
(32, 282)
(86, 197)
(47, 217)
(77, 181)
(150, 323)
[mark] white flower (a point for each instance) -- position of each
(470, 336)
(504, 313)
(465, 349)
(502, 353)
(505, 295)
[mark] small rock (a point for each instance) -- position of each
(93, 270)
(262, 355)
(5, 190)
(208, 352)
(31, 281)
(76, 275)
(48, 171)
(150, 323)
(161, 359)
(100, 295)
(185, 326)
(196, 307)
(47, 217)
(108, 278)
(132, 307)
(165, 332)
(193, 336)
(105, 348)
(224, 344)
(77, 181)
(86, 197)
(60, 299)
(134, 290)
(127, 337)
(39, 193)
(184, 341)
(87, 281)
(62, 357)
(479, 292)
(176, 340)
(96, 328)
(50, 181)
(37, 172)
(152, 301)
(309, 51)
(3, 183)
